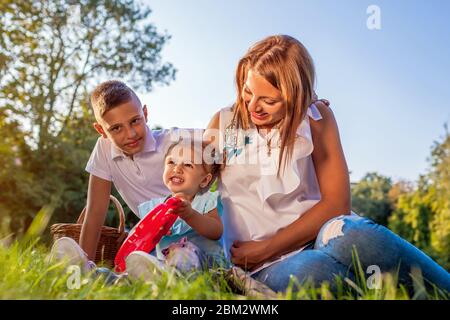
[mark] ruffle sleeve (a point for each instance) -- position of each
(291, 177)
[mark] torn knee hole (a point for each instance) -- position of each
(332, 230)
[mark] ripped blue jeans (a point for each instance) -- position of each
(377, 248)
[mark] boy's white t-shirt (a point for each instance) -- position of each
(137, 179)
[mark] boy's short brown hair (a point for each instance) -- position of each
(110, 94)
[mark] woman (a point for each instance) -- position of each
(285, 191)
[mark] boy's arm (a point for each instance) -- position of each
(97, 206)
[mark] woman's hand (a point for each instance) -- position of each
(316, 99)
(249, 255)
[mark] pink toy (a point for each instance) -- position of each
(148, 232)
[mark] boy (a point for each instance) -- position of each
(128, 154)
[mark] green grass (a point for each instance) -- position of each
(27, 275)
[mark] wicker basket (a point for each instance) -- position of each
(110, 238)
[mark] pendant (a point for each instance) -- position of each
(269, 149)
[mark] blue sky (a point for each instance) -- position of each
(389, 88)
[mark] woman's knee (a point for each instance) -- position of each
(352, 238)
(345, 230)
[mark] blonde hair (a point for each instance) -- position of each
(286, 64)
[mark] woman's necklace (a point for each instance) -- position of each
(269, 136)
(269, 147)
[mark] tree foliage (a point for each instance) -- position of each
(411, 218)
(419, 213)
(439, 194)
(52, 54)
(370, 197)
(423, 216)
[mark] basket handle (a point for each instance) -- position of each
(119, 209)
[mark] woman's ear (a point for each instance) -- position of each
(206, 180)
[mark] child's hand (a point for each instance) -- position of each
(184, 211)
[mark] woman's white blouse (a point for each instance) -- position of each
(255, 202)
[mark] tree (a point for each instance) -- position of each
(13, 178)
(52, 54)
(412, 215)
(423, 215)
(439, 194)
(370, 197)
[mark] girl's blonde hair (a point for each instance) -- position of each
(286, 64)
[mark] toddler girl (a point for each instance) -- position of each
(192, 243)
